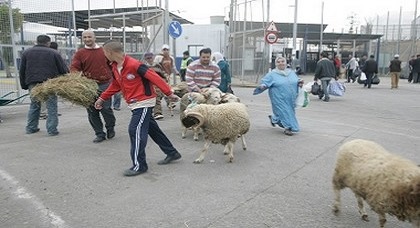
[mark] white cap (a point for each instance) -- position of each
(396, 56)
(165, 46)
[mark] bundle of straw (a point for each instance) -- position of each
(73, 87)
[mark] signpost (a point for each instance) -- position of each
(175, 31)
(271, 37)
(271, 33)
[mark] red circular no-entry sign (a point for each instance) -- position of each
(271, 37)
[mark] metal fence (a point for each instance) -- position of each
(246, 50)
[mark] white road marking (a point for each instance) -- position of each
(21, 193)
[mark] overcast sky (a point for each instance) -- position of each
(336, 12)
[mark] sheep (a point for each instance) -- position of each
(222, 123)
(207, 96)
(388, 183)
(188, 98)
(228, 97)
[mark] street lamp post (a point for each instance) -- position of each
(295, 28)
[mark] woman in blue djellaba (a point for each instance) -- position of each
(282, 84)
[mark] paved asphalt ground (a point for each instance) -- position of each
(279, 181)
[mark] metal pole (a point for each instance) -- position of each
(89, 22)
(230, 52)
(322, 27)
(414, 35)
(74, 24)
(295, 28)
(243, 44)
(12, 37)
(399, 32)
(166, 23)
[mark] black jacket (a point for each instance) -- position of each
(324, 68)
(40, 63)
(370, 67)
(395, 65)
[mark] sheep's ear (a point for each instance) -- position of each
(193, 119)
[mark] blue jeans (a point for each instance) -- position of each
(116, 100)
(34, 111)
(324, 85)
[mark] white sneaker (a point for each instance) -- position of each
(158, 116)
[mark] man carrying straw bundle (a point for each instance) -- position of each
(136, 82)
(38, 64)
(92, 62)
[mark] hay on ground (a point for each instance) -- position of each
(73, 87)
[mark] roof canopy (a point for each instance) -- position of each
(101, 18)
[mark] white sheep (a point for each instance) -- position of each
(222, 123)
(388, 183)
(228, 97)
(207, 96)
(188, 98)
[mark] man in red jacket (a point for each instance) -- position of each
(135, 80)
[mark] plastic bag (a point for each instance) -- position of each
(302, 99)
(316, 89)
(336, 88)
(308, 86)
(363, 76)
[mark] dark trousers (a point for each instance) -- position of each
(107, 113)
(141, 125)
(368, 81)
(182, 73)
(350, 75)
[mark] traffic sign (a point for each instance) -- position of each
(272, 27)
(271, 37)
(175, 29)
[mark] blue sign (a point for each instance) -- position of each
(175, 29)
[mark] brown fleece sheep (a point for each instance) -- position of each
(388, 183)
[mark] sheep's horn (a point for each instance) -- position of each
(195, 119)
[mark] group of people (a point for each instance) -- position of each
(115, 72)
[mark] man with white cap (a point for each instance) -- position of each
(395, 70)
(167, 62)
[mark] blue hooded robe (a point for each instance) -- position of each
(282, 88)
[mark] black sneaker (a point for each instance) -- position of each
(271, 122)
(170, 158)
(110, 134)
(130, 172)
(98, 139)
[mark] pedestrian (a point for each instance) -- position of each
(135, 80)
(39, 64)
(410, 67)
(395, 70)
(351, 65)
(149, 58)
(186, 60)
(225, 78)
(370, 68)
(167, 63)
(203, 73)
(282, 84)
(324, 71)
(43, 114)
(337, 64)
(416, 69)
(91, 61)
